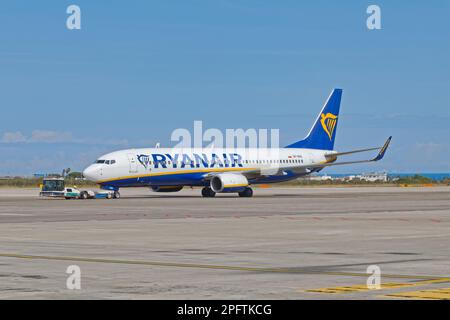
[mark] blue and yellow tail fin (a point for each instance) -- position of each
(322, 134)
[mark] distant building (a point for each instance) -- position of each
(367, 177)
(370, 177)
(319, 178)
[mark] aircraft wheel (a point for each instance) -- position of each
(84, 195)
(247, 193)
(116, 195)
(208, 193)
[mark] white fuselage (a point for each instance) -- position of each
(178, 166)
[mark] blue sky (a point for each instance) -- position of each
(139, 69)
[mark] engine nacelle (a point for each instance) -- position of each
(228, 182)
(166, 188)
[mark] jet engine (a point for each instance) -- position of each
(229, 182)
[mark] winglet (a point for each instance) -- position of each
(383, 150)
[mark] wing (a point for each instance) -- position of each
(258, 173)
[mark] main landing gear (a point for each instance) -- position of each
(208, 193)
(247, 193)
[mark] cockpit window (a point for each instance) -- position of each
(106, 161)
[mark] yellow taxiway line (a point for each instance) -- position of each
(220, 267)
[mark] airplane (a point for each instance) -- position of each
(222, 170)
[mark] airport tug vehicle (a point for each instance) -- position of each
(56, 188)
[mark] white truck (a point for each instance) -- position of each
(56, 188)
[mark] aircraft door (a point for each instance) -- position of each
(133, 163)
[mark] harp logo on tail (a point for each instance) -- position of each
(328, 122)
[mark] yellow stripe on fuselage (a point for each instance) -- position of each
(176, 172)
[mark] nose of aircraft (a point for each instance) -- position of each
(89, 173)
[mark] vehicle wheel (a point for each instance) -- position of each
(68, 198)
(208, 193)
(84, 195)
(109, 196)
(116, 195)
(247, 193)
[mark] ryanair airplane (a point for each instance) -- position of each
(226, 170)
